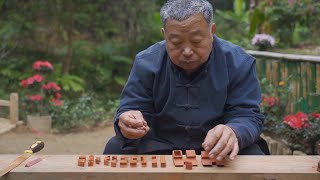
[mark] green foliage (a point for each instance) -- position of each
(71, 83)
(233, 25)
(85, 110)
(273, 18)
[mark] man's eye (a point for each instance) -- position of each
(177, 43)
(196, 41)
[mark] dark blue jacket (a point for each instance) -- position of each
(181, 109)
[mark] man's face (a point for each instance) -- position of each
(189, 42)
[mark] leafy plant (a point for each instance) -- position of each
(302, 131)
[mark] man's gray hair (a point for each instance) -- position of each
(181, 10)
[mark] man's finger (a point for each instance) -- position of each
(235, 151)
(132, 133)
(129, 121)
(220, 145)
(212, 138)
(228, 148)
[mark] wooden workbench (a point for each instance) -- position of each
(60, 167)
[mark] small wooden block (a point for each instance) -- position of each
(188, 165)
(82, 157)
(133, 161)
(107, 157)
(163, 161)
(154, 163)
(144, 163)
(204, 154)
(134, 158)
(205, 160)
(114, 163)
(177, 153)
(191, 157)
(177, 158)
(90, 163)
(123, 163)
(91, 158)
(81, 162)
(220, 163)
(106, 162)
(98, 160)
(154, 157)
(190, 153)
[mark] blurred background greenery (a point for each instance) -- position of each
(92, 44)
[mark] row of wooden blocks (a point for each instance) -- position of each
(123, 161)
(190, 159)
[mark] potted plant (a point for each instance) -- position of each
(263, 41)
(41, 96)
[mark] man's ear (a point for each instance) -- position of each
(163, 32)
(213, 28)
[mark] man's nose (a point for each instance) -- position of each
(187, 51)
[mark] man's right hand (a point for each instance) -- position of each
(132, 125)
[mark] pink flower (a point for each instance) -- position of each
(37, 77)
(291, 2)
(30, 81)
(263, 38)
(36, 97)
(57, 102)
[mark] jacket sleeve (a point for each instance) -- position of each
(137, 93)
(242, 108)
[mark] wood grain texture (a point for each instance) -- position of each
(244, 167)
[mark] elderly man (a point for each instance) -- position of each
(191, 91)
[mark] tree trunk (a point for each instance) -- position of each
(67, 62)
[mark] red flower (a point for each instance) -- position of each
(39, 65)
(24, 83)
(47, 65)
(37, 77)
(36, 65)
(53, 86)
(302, 116)
(36, 97)
(57, 95)
(288, 118)
(293, 121)
(57, 102)
(315, 115)
(271, 101)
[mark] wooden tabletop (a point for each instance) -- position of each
(244, 167)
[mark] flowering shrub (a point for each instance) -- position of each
(299, 131)
(41, 95)
(274, 101)
(263, 41)
(302, 131)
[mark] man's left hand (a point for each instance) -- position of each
(220, 141)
